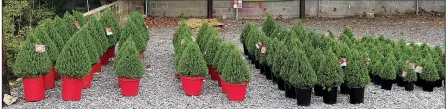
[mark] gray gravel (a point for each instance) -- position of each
(159, 88)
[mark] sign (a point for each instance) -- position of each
(108, 31)
(39, 48)
(237, 4)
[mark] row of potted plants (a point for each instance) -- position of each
(75, 50)
(359, 60)
(129, 66)
(224, 62)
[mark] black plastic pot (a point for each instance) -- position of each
(408, 86)
(318, 90)
(376, 80)
(257, 64)
(274, 78)
(268, 73)
(330, 96)
(419, 80)
(386, 84)
(438, 83)
(428, 86)
(345, 89)
(262, 69)
(400, 81)
(290, 91)
(245, 50)
(280, 83)
(252, 58)
(303, 96)
(357, 95)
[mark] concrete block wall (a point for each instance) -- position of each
(286, 8)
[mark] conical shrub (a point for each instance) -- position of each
(203, 35)
(28, 63)
(108, 19)
(356, 73)
(98, 33)
(128, 63)
(56, 33)
(73, 61)
(269, 25)
(79, 17)
(430, 72)
(235, 67)
(329, 72)
(51, 48)
(280, 57)
(88, 40)
(211, 49)
(192, 63)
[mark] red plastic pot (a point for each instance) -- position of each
(104, 59)
(87, 80)
(192, 85)
(97, 67)
(56, 76)
(236, 92)
(142, 55)
(111, 52)
(219, 79)
(213, 73)
(34, 88)
(71, 89)
(129, 87)
(224, 86)
(49, 79)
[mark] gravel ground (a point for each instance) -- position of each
(159, 88)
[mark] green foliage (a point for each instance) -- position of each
(388, 70)
(56, 33)
(128, 63)
(356, 74)
(203, 35)
(30, 63)
(301, 74)
(331, 35)
(79, 16)
(211, 50)
(138, 19)
(89, 42)
(262, 56)
(440, 67)
(329, 74)
(183, 34)
(221, 55)
(131, 30)
(269, 25)
(97, 32)
(18, 19)
(294, 43)
(411, 76)
(252, 39)
(235, 67)
(280, 57)
(299, 29)
(192, 63)
(271, 50)
(73, 59)
(69, 24)
(210, 32)
(280, 32)
(108, 18)
(51, 47)
(316, 57)
(246, 29)
(430, 72)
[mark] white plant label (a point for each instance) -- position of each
(343, 64)
(257, 46)
(40, 48)
(182, 41)
(76, 24)
(8, 99)
(263, 50)
(108, 31)
(419, 69)
(403, 73)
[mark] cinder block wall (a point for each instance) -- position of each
(286, 8)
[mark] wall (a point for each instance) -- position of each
(287, 8)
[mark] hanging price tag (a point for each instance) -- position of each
(76, 24)
(263, 50)
(419, 69)
(343, 62)
(403, 73)
(182, 41)
(39, 48)
(108, 31)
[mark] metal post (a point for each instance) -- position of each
(302, 9)
(145, 7)
(417, 9)
(236, 13)
(88, 6)
(210, 4)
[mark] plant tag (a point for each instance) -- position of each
(419, 69)
(205, 51)
(343, 64)
(8, 99)
(367, 61)
(108, 31)
(263, 50)
(403, 73)
(257, 46)
(39, 48)
(76, 24)
(147, 27)
(194, 38)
